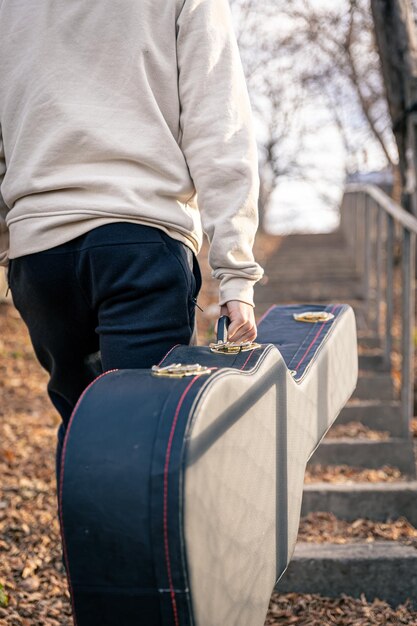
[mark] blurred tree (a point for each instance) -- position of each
(266, 43)
(397, 46)
(300, 58)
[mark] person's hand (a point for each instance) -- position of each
(242, 320)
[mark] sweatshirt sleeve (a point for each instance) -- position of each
(219, 144)
(4, 231)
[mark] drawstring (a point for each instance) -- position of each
(195, 302)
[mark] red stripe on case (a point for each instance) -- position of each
(165, 513)
(169, 351)
(165, 510)
(312, 343)
(243, 366)
(266, 313)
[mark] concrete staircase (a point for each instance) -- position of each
(319, 268)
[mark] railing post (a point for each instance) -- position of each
(345, 216)
(342, 211)
(367, 256)
(354, 227)
(348, 221)
(407, 340)
(372, 207)
(378, 244)
(360, 232)
(389, 290)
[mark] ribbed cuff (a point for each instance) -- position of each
(236, 288)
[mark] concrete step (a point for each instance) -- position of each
(349, 501)
(373, 362)
(367, 339)
(316, 247)
(374, 414)
(327, 258)
(335, 237)
(379, 569)
(313, 271)
(264, 291)
(298, 291)
(395, 451)
(374, 385)
(267, 299)
(319, 250)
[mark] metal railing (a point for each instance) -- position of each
(374, 227)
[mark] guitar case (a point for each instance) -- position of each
(180, 495)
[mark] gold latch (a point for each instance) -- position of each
(232, 347)
(178, 370)
(313, 316)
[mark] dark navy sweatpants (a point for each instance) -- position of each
(119, 296)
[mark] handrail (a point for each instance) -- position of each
(402, 216)
(368, 218)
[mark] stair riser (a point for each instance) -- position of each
(294, 293)
(380, 504)
(372, 362)
(376, 417)
(374, 387)
(311, 274)
(397, 453)
(390, 575)
(369, 341)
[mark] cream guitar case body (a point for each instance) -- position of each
(180, 490)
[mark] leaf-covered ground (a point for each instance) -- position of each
(347, 473)
(33, 589)
(31, 569)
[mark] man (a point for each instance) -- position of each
(114, 115)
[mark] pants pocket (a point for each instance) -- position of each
(177, 249)
(197, 275)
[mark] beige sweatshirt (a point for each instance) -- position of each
(125, 110)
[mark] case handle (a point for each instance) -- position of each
(229, 347)
(222, 326)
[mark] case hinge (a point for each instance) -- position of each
(232, 347)
(313, 316)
